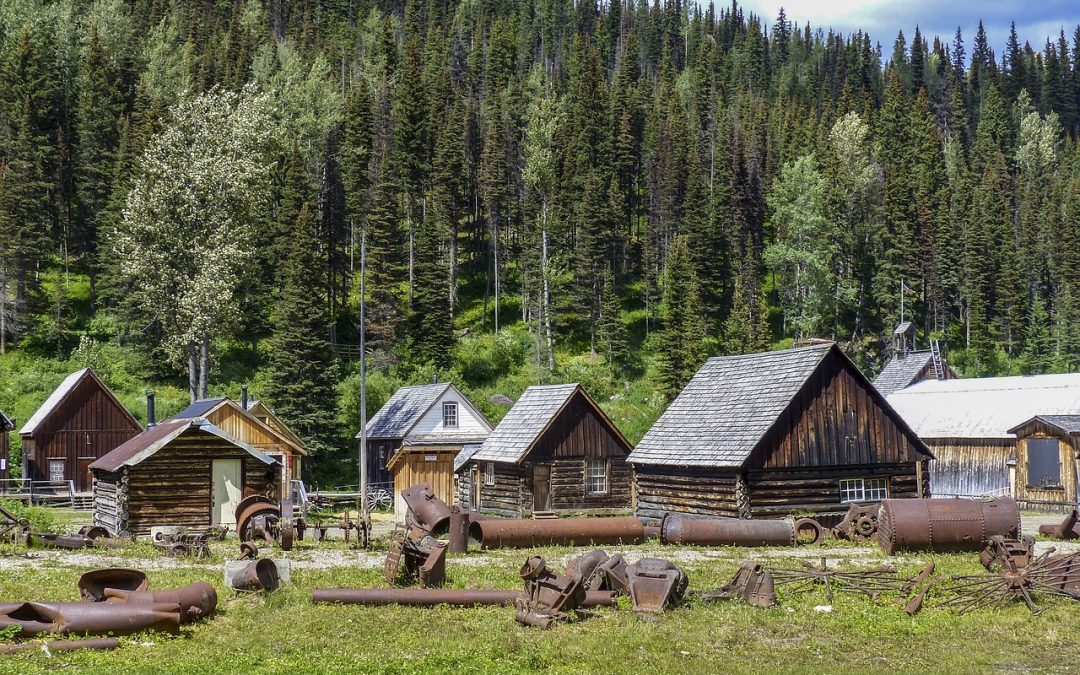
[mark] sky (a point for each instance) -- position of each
(1035, 19)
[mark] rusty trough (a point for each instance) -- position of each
(655, 585)
(945, 525)
(515, 533)
(431, 597)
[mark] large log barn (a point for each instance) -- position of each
(773, 434)
(554, 451)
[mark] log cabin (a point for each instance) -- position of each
(184, 472)
(797, 431)
(6, 426)
(967, 422)
(1045, 476)
(244, 426)
(79, 422)
(555, 451)
(416, 435)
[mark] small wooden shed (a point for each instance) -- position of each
(6, 425)
(180, 472)
(246, 427)
(79, 422)
(555, 451)
(908, 368)
(775, 434)
(416, 435)
(1047, 447)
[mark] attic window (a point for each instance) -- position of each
(863, 490)
(1044, 463)
(449, 414)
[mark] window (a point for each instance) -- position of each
(489, 473)
(56, 469)
(863, 489)
(449, 414)
(596, 477)
(1044, 463)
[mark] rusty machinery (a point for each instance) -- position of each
(860, 523)
(945, 525)
(1020, 579)
(1066, 529)
(655, 585)
(261, 518)
(426, 511)
(415, 556)
(185, 542)
(752, 584)
(550, 597)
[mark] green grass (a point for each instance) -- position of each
(285, 632)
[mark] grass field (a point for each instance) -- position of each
(286, 633)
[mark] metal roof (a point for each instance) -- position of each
(61, 392)
(985, 407)
(200, 408)
(404, 410)
(902, 370)
(1066, 424)
(727, 407)
(523, 424)
(155, 438)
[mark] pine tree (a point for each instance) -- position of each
(431, 328)
(612, 330)
(679, 346)
(303, 374)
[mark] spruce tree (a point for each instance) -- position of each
(680, 343)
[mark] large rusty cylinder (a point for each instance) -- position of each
(426, 511)
(512, 533)
(91, 618)
(726, 532)
(945, 525)
(61, 645)
(259, 575)
(196, 600)
(92, 585)
(430, 597)
(459, 530)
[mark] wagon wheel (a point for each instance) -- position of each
(380, 499)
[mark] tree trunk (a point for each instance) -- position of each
(546, 311)
(204, 364)
(495, 247)
(453, 268)
(3, 310)
(193, 373)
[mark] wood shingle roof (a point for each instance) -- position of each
(902, 371)
(523, 424)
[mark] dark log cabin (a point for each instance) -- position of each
(81, 421)
(555, 451)
(6, 425)
(1046, 466)
(774, 434)
(184, 472)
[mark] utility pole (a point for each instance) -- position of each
(364, 513)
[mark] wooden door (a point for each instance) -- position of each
(541, 487)
(84, 480)
(474, 488)
(227, 491)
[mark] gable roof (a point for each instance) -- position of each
(155, 438)
(205, 407)
(530, 417)
(256, 406)
(902, 370)
(408, 405)
(1066, 424)
(984, 407)
(731, 403)
(5, 422)
(70, 383)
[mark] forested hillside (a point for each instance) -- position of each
(541, 191)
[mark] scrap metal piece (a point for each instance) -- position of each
(548, 596)
(431, 597)
(459, 530)
(751, 584)
(53, 540)
(12, 529)
(514, 533)
(93, 532)
(655, 585)
(945, 525)
(89, 618)
(1055, 575)
(433, 569)
(871, 583)
(61, 645)
(259, 575)
(248, 551)
(257, 518)
(92, 585)
(600, 571)
(860, 523)
(414, 555)
(726, 531)
(1066, 529)
(195, 601)
(182, 542)
(808, 531)
(426, 511)
(1000, 551)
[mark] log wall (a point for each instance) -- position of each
(686, 490)
(797, 491)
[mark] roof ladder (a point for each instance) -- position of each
(939, 365)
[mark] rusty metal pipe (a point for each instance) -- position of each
(259, 575)
(945, 525)
(91, 618)
(459, 530)
(512, 533)
(61, 645)
(196, 600)
(726, 532)
(429, 597)
(92, 585)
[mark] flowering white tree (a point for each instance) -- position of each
(186, 236)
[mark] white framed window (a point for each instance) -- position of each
(596, 476)
(56, 470)
(489, 473)
(449, 414)
(863, 489)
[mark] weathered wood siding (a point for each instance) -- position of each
(568, 491)
(782, 492)
(433, 465)
(174, 485)
(687, 490)
(578, 432)
(86, 425)
(1037, 497)
(509, 495)
(970, 467)
(379, 451)
(242, 427)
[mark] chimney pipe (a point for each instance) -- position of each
(150, 421)
(435, 378)
(243, 398)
